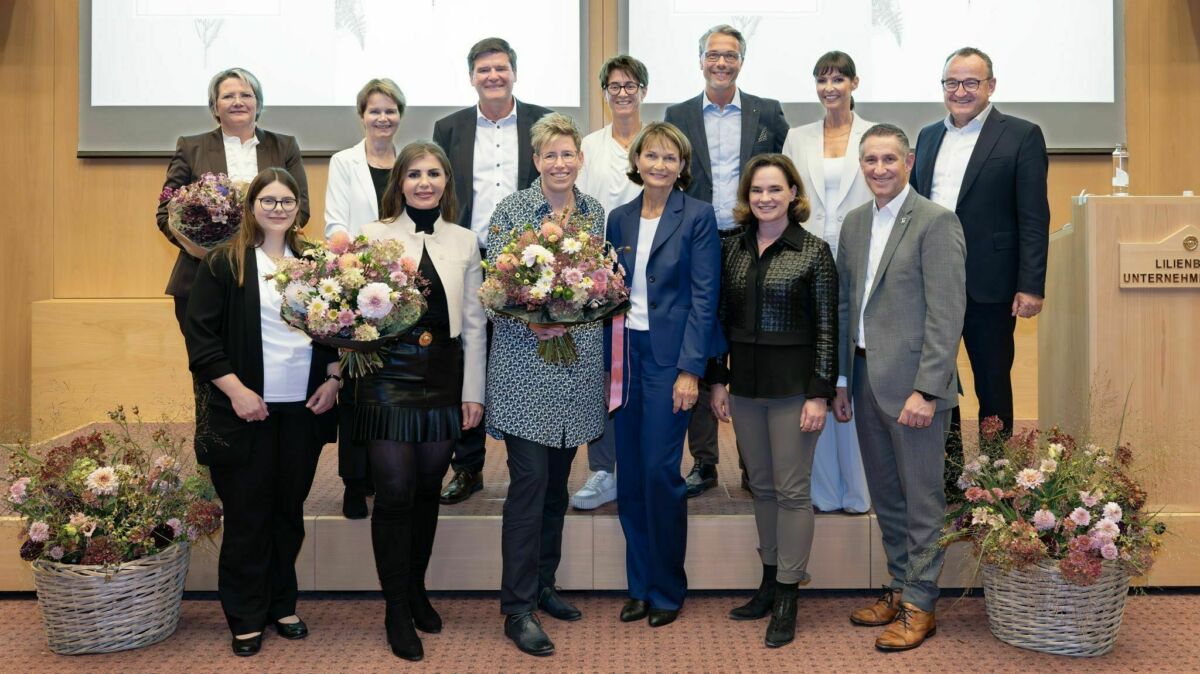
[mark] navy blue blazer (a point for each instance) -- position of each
(1002, 205)
(683, 277)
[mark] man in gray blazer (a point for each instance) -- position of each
(902, 271)
(491, 155)
(726, 127)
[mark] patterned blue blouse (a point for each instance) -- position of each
(526, 396)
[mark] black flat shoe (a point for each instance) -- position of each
(354, 504)
(296, 630)
(662, 616)
(526, 632)
(634, 610)
(244, 648)
(550, 601)
(401, 636)
(461, 486)
(702, 478)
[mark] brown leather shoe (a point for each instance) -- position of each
(882, 612)
(910, 629)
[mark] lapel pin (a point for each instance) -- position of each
(627, 249)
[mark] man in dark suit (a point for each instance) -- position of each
(726, 127)
(990, 169)
(491, 155)
(900, 313)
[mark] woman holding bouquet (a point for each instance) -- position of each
(264, 395)
(542, 411)
(430, 388)
(358, 177)
(779, 303)
(669, 243)
(237, 148)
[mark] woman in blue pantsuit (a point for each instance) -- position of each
(668, 245)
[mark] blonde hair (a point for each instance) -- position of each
(551, 126)
(380, 85)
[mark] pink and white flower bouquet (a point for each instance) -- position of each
(355, 295)
(556, 272)
(111, 497)
(206, 212)
(1027, 499)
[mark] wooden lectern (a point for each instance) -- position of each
(1122, 321)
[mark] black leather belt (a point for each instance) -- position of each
(860, 352)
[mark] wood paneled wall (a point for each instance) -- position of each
(84, 229)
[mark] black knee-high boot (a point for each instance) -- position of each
(424, 528)
(391, 537)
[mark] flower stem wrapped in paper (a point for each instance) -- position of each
(557, 273)
(355, 295)
(206, 212)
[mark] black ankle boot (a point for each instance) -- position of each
(424, 528)
(391, 538)
(782, 628)
(760, 604)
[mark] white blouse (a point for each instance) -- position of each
(833, 181)
(603, 175)
(638, 317)
(287, 352)
(241, 159)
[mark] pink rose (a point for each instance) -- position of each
(600, 280)
(340, 242)
(409, 265)
(551, 231)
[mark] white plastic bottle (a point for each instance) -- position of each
(1120, 180)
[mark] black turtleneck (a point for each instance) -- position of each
(437, 316)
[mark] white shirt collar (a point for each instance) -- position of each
(973, 125)
(892, 208)
(234, 140)
(512, 115)
(736, 103)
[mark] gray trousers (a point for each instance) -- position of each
(602, 452)
(779, 459)
(904, 469)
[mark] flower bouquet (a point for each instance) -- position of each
(109, 520)
(1065, 524)
(556, 273)
(206, 212)
(355, 295)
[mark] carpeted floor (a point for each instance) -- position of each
(347, 637)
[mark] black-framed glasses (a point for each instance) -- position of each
(971, 85)
(288, 204)
(727, 56)
(614, 88)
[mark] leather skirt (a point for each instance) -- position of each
(417, 395)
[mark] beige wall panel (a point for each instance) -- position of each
(89, 355)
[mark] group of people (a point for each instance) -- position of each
(815, 297)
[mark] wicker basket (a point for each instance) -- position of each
(1035, 608)
(91, 609)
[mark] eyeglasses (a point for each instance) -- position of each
(971, 85)
(727, 56)
(614, 88)
(567, 157)
(288, 204)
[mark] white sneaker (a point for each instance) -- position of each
(599, 489)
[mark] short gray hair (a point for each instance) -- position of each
(886, 131)
(964, 52)
(214, 87)
(724, 29)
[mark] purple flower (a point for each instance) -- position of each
(39, 532)
(1108, 551)
(1081, 517)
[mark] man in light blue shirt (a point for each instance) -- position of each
(726, 127)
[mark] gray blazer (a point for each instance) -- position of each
(764, 129)
(914, 313)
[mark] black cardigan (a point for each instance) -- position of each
(223, 333)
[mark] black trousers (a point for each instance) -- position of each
(263, 501)
(988, 335)
(469, 450)
(531, 538)
(354, 467)
(180, 310)
(702, 430)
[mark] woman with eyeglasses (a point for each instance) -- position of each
(410, 411)
(542, 411)
(358, 177)
(825, 154)
(264, 395)
(239, 148)
(623, 80)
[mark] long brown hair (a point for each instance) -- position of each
(393, 196)
(250, 233)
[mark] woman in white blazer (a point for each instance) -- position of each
(357, 178)
(411, 411)
(826, 155)
(358, 174)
